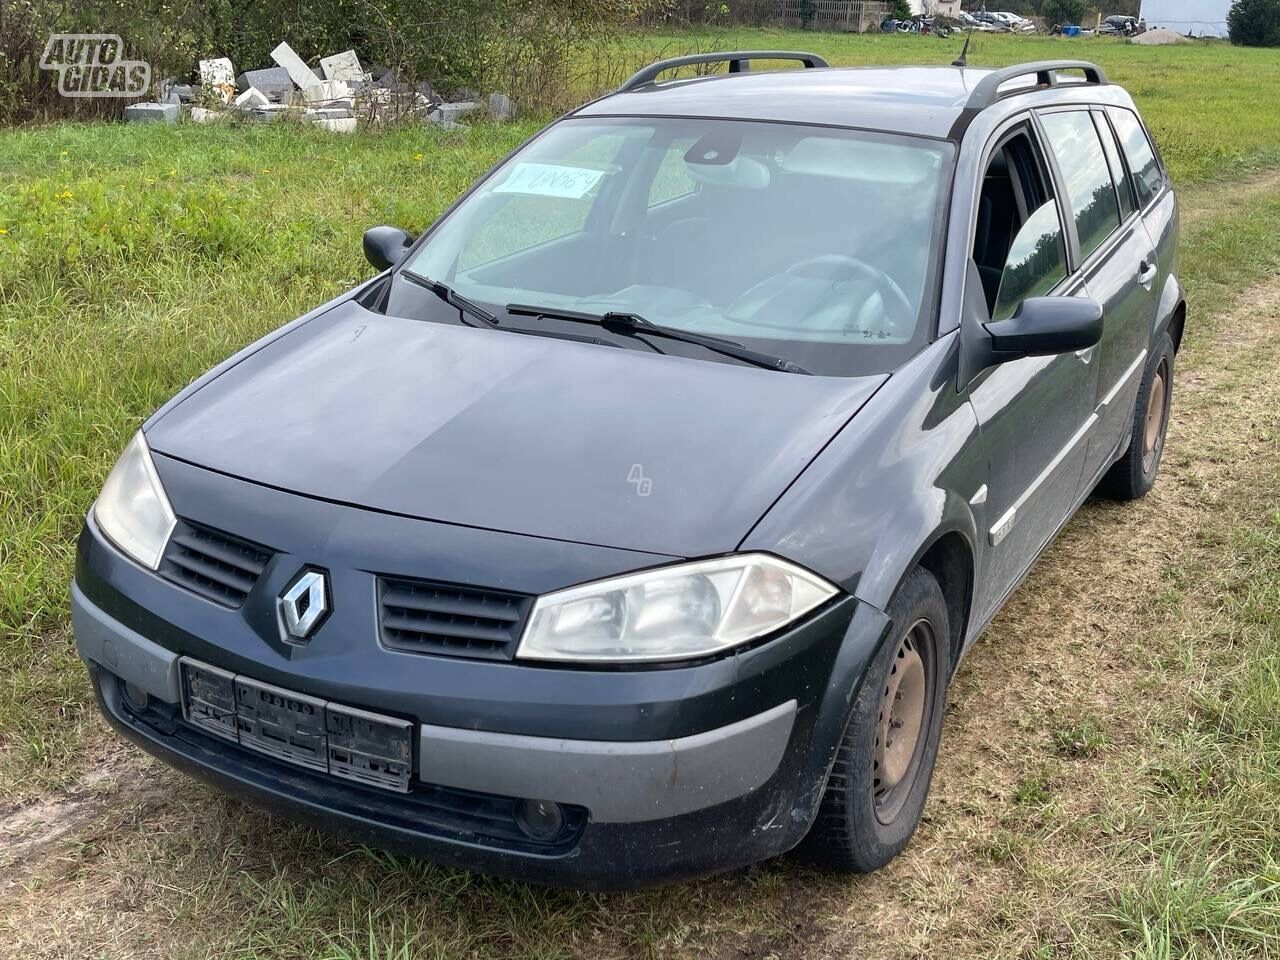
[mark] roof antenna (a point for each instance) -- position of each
(963, 59)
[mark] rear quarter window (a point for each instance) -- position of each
(1147, 175)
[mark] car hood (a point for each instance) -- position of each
(511, 432)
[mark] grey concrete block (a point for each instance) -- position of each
(501, 107)
(151, 113)
(455, 111)
(274, 82)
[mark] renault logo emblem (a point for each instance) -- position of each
(305, 604)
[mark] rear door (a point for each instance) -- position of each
(1035, 413)
(1117, 266)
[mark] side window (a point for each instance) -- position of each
(1090, 192)
(542, 202)
(1147, 177)
(1036, 264)
(1019, 246)
(1124, 189)
(672, 180)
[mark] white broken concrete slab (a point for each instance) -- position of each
(326, 91)
(298, 70)
(218, 74)
(329, 113)
(253, 97)
(340, 125)
(205, 115)
(343, 66)
(218, 70)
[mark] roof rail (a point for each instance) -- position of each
(987, 90)
(739, 62)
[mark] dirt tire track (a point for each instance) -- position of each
(33, 835)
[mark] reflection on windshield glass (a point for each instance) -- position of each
(775, 233)
(1036, 261)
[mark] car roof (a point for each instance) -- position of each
(914, 100)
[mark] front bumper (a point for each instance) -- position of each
(662, 778)
(664, 773)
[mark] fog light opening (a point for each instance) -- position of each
(540, 819)
(137, 698)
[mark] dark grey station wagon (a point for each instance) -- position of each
(631, 522)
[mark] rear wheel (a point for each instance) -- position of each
(1134, 474)
(878, 785)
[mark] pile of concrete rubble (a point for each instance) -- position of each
(335, 95)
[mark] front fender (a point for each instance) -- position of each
(900, 474)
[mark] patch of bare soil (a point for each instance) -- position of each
(33, 835)
(1045, 723)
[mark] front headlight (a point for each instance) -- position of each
(132, 510)
(672, 613)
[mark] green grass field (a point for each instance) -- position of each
(133, 258)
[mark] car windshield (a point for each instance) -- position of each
(814, 244)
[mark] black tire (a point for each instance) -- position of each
(1134, 474)
(861, 826)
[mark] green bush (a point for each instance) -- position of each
(1063, 11)
(1255, 23)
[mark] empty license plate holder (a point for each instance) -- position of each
(345, 742)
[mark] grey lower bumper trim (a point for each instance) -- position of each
(619, 782)
(126, 653)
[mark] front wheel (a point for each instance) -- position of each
(1134, 474)
(880, 779)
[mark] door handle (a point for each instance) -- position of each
(1146, 273)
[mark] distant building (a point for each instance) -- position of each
(935, 8)
(1196, 18)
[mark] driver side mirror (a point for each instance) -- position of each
(1043, 326)
(385, 247)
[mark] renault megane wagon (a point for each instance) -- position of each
(631, 522)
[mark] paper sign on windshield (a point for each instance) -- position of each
(550, 180)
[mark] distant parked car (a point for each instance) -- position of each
(968, 21)
(1119, 26)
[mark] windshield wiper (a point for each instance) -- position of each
(468, 308)
(633, 324)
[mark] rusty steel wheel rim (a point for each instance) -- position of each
(902, 725)
(1153, 429)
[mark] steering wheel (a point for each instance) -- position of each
(900, 315)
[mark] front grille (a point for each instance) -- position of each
(215, 565)
(417, 616)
